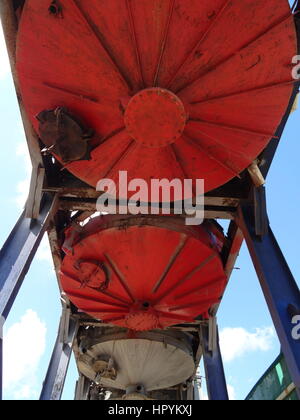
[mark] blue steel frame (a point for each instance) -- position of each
(278, 284)
(279, 287)
(214, 370)
(16, 256)
(55, 378)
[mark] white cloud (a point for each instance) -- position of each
(236, 342)
(26, 392)
(231, 392)
(4, 61)
(203, 395)
(24, 345)
(23, 186)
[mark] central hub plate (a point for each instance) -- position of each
(142, 321)
(155, 117)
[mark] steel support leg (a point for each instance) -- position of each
(279, 287)
(16, 256)
(196, 393)
(82, 388)
(1, 355)
(18, 252)
(57, 371)
(214, 370)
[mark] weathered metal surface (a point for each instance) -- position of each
(275, 384)
(33, 203)
(155, 117)
(234, 97)
(152, 360)
(279, 287)
(256, 175)
(231, 253)
(214, 370)
(16, 256)
(10, 28)
(9, 22)
(82, 389)
(18, 252)
(2, 321)
(56, 375)
(161, 273)
(261, 218)
(63, 135)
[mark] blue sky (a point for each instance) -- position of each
(249, 343)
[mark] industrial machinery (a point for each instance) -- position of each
(138, 284)
(161, 89)
(204, 112)
(141, 366)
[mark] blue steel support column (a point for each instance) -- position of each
(214, 370)
(278, 285)
(57, 371)
(18, 252)
(82, 389)
(196, 393)
(16, 256)
(1, 355)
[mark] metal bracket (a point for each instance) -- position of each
(10, 30)
(256, 175)
(196, 393)
(236, 239)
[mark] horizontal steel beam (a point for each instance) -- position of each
(87, 195)
(210, 212)
(91, 193)
(278, 285)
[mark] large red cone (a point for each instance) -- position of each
(138, 274)
(219, 73)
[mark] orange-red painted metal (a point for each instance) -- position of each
(155, 117)
(226, 64)
(138, 274)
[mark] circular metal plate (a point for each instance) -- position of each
(155, 117)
